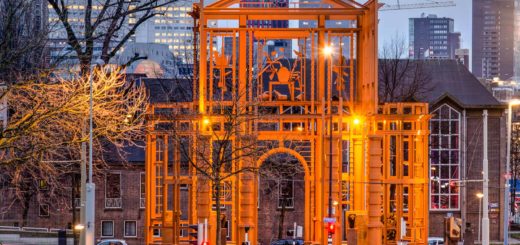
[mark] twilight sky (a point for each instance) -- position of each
(396, 21)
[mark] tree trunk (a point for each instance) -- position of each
(282, 218)
(73, 194)
(513, 197)
(26, 206)
(217, 203)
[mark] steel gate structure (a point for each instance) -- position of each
(294, 93)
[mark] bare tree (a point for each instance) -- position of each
(22, 39)
(111, 26)
(218, 147)
(401, 79)
(43, 134)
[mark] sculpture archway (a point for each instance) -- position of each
(283, 178)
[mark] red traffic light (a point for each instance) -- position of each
(205, 243)
(331, 228)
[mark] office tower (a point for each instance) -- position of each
(432, 37)
(173, 28)
(493, 38)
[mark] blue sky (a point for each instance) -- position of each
(396, 21)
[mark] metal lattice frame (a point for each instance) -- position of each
(302, 91)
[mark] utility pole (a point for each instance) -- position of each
(485, 198)
(82, 188)
(90, 187)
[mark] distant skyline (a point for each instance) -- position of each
(396, 21)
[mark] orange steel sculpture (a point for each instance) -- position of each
(380, 156)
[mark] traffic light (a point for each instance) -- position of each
(455, 225)
(331, 228)
(205, 243)
(193, 234)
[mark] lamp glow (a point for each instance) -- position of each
(327, 50)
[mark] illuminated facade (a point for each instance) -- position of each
(312, 107)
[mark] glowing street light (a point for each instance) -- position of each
(479, 196)
(327, 50)
(205, 121)
(79, 227)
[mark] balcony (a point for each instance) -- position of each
(142, 203)
(113, 202)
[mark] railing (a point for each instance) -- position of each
(113, 202)
(289, 202)
(77, 202)
(142, 203)
(35, 229)
(10, 228)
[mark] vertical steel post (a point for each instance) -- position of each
(508, 170)
(485, 217)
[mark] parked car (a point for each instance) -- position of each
(288, 242)
(435, 241)
(112, 242)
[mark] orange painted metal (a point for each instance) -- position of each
(303, 89)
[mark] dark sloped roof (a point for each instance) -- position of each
(451, 79)
(168, 90)
(132, 154)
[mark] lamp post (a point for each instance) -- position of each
(90, 187)
(479, 196)
(508, 168)
(328, 52)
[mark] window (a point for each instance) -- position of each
(286, 194)
(113, 190)
(44, 210)
(142, 202)
(130, 228)
(42, 184)
(444, 159)
(107, 228)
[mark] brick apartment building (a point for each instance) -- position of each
(119, 203)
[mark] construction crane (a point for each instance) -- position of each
(411, 4)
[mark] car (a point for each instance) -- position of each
(435, 241)
(288, 242)
(112, 242)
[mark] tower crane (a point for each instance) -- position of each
(414, 4)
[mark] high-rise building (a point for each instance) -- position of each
(432, 37)
(174, 28)
(493, 38)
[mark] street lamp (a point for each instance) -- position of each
(327, 51)
(90, 187)
(479, 196)
(508, 168)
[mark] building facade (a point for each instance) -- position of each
(456, 149)
(431, 37)
(493, 38)
(174, 28)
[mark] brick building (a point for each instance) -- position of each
(457, 102)
(119, 203)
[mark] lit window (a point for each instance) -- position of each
(444, 158)
(130, 228)
(107, 228)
